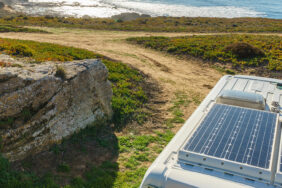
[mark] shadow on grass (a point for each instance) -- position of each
(87, 159)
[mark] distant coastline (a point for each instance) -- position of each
(109, 8)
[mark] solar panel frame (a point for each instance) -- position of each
(278, 175)
(279, 169)
(226, 164)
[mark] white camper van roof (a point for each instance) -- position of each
(231, 140)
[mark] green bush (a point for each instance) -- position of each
(21, 50)
(244, 50)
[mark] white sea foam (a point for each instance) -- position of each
(161, 9)
(108, 8)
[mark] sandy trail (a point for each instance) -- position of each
(173, 74)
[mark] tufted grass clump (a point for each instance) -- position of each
(60, 72)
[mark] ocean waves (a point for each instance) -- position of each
(164, 9)
(108, 8)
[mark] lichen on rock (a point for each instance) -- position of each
(39, 108)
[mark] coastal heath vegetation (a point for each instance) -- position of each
(11, 28)
(240, 51)
(154, 24)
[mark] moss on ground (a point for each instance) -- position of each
(215, 49)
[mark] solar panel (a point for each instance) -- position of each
(235, 134)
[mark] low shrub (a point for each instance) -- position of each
(244, 50)
(21, 50)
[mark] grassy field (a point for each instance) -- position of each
(126, 156)
(240, 51)
(10, 28)
(156, 24)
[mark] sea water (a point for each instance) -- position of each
(176, 8)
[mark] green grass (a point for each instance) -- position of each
(213, 48)
(6, 122)
(156, 24)
(12, 179)
(136, 153)
(10, 28)
(38, 52)
(180, 101)
(127, 102)
(65, 168)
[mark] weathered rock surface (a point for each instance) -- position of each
(38, 108)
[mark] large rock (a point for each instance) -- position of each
(40, 105)
(129, 16)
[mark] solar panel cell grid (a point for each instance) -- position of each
(235, 134)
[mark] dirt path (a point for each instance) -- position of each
(174, 75)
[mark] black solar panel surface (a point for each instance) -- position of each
(236, 134)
